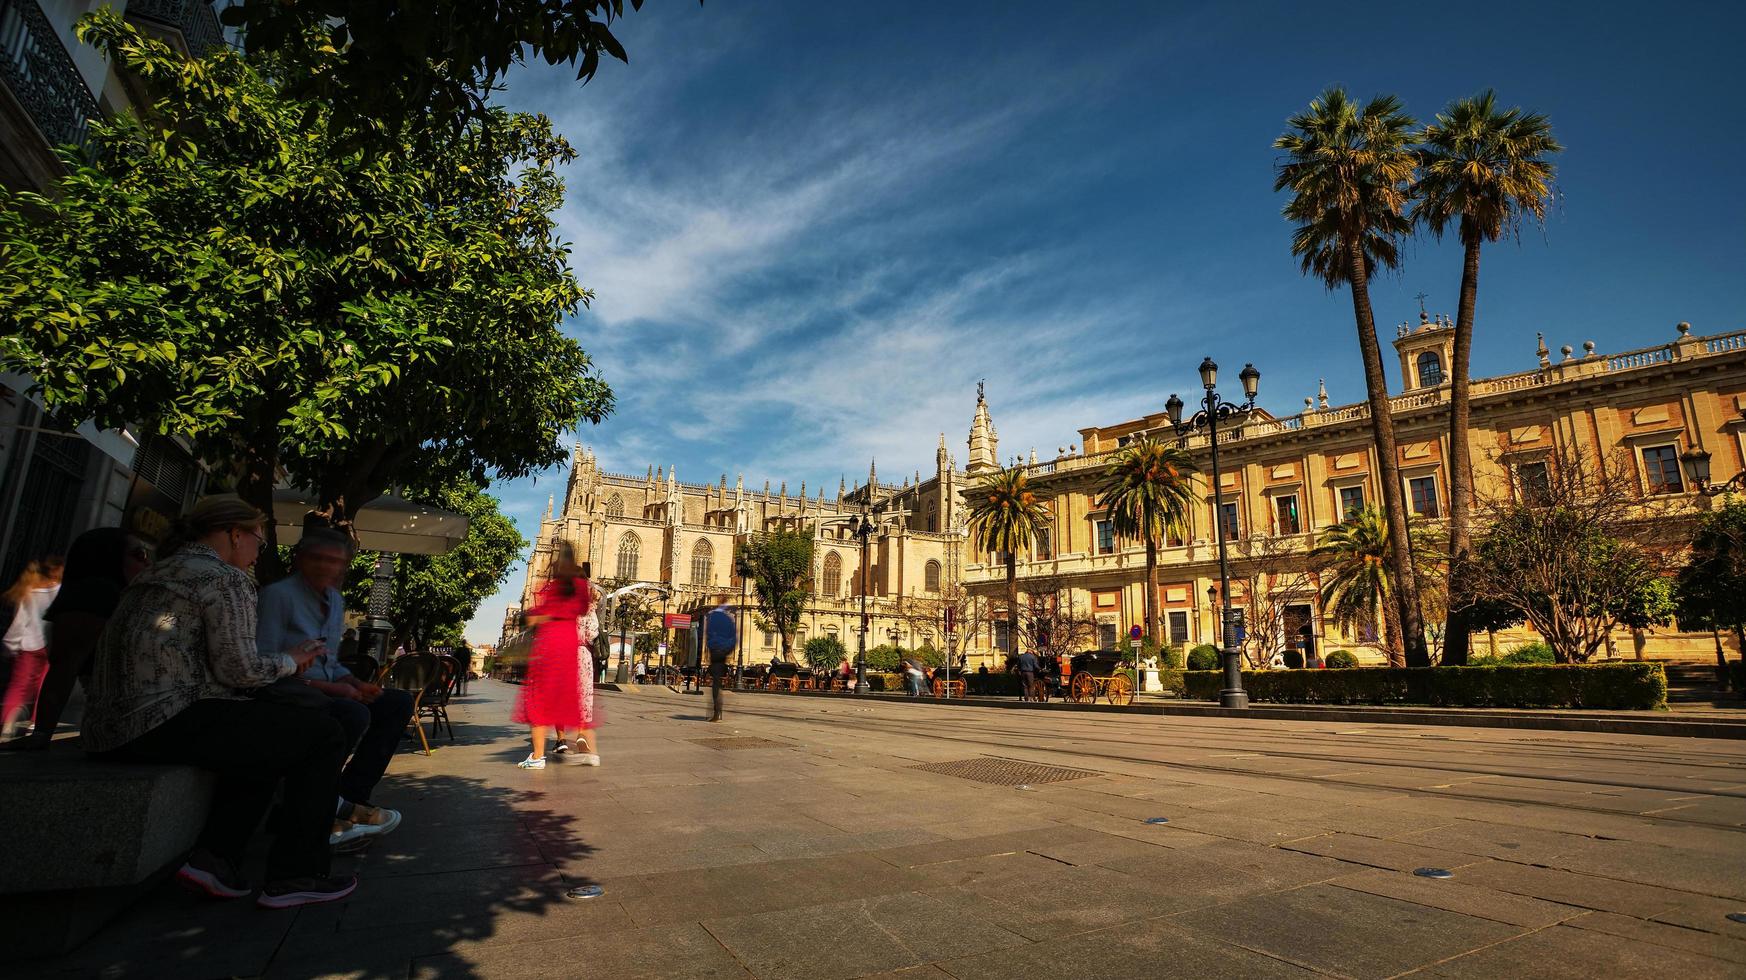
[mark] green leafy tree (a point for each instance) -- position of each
(1710, 592)
(389, 67)
(1482, 169)
(1149, 492)
(227, 271)
(1349, 170)
(1005, 515)
(435, 595)
(779, 566)
(824, 652)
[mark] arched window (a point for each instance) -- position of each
(830, 583)
(931, 576)
(702, 557)
(615, 506)
(1430, 369)
(628, 548)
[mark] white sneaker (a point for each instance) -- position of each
(588, 758)
(532, 763)
(345, 832)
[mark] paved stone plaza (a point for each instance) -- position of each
(800, 839)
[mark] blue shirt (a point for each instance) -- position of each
(290, 612)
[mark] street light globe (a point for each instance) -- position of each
(1697, 466)
(1209, 372)
(1173, 409)
(1251, 379)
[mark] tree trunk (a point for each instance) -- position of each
(1721, 660)
(255, 485)
(1455, 628)
(1406, 586)
(1012, 603)
(1151, 604)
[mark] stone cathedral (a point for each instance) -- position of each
(660, 529)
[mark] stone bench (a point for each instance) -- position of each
(83, 839)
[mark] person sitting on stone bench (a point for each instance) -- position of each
(306, 605)
(167, 687)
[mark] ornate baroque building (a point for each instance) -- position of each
(1287, 479)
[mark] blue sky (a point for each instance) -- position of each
(811, 228)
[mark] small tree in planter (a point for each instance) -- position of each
(824, 653)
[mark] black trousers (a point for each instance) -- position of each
(252, 746)
(373, 732)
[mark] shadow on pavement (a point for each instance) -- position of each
(473, 865)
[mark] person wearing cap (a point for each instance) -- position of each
(306, 605)
(168, 685)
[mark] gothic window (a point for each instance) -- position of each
(931, 576)
(831, 582)
(1430, 369)
(702, 557)
(615, 506)
(628, 547)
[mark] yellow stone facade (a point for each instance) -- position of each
(1287, 479)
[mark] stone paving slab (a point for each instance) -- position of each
(1288, 853)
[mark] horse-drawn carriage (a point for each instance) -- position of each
(1100, 675)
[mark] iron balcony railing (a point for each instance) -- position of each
(195, 19)
(36, 67)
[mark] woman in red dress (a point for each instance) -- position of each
(552, 696)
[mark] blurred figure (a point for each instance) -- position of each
(99, 565)
(587, 747)
(167, 686)
(552, 696)
(26, 637)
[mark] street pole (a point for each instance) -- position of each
(1233, 695)
(862, 530)
(740, 650)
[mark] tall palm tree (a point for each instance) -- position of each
(1349, 169)
(1483, 169)
(1005, 515)
(1148, 493)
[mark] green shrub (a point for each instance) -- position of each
(884, 657)
(1341, 660)
(1633, 685)
(1203, 657)
(1171, 658)
(1531, 653)
(824, 652)
(929, 655)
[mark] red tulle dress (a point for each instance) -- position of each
(552, 695)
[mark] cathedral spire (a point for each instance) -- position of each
(551, 500)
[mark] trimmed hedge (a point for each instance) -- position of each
(1341, 660)
(1203, 657)
(1640, 686)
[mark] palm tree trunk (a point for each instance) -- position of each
(1012, 640)
(1151, 603)
(1406, 587)
(1456, 632)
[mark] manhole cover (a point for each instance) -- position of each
(1004, 772)
(742, 742)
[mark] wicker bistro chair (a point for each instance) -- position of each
(415, 674)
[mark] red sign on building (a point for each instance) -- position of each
(678, 621)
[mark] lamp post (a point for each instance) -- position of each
(1697, 472)
(1214, 410)
(863, 526)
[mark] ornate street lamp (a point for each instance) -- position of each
(863, 526)
(1697, 472)
(1214, 410)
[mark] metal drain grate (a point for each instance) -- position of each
(741, 742)
(1004, 772)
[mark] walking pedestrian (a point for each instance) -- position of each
(587, 749)
(99, 565)
(26, 637)
(1027, 666)
(551, 699)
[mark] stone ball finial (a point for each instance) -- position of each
(1684, 328)
(1308, 403)
(1588, 348)
(1567, 350)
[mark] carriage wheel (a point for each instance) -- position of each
(1082, 689)
(1120, 690)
